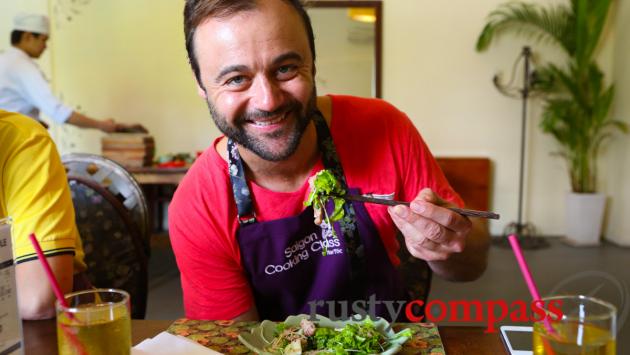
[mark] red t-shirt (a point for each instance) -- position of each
(381, 153)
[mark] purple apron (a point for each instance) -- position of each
(283, 258)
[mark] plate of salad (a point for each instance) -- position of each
(299, 335)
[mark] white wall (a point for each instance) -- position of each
(126, 59)
(619, 164)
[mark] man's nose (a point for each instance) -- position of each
(267, 95)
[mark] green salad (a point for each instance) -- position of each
(308, 338)
(324, 187)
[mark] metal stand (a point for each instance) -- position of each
(525, 232)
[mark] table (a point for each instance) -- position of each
(158, 176)
(40, 337)
(158, 185)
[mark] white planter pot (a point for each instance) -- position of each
(584, 217)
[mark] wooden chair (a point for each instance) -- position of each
(470, 178)
(112, 238)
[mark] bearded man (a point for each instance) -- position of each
(246, 246)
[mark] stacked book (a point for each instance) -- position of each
(131, 150)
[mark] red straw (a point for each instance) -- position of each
(531, 285)
(57, 290)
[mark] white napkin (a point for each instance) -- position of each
(169, 344)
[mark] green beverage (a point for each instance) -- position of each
(95, 322)
(592, 340)
(578, 325)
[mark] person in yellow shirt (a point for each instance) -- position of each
(34, 193)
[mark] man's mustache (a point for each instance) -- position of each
(260, 114)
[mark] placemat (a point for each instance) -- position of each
(222, 336)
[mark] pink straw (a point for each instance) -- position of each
(51, 277)
(57, 290)
(531, 285)
(533, 290)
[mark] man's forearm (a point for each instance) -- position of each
(471, 263)
(83, 121)
(35, 295)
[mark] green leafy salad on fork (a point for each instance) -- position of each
(324, 187)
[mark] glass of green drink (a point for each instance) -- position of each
(587, 327)
(95, 322)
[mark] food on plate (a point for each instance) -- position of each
(353, 338)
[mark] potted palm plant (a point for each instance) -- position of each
(576, 98)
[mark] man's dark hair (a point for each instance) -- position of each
(16, 36)
(196, 11)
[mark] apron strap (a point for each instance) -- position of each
(242, 195)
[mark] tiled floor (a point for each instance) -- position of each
(602, 271)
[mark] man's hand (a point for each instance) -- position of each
(432, 232)
(130, 128)
(454, 247)
(111, 126)
(108, 125)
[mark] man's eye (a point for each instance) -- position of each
(287, 71)
(237, 80)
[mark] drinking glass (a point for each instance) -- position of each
(96, 321)
(587, 327)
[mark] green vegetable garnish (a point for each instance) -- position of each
(361, 338)
(324, 187)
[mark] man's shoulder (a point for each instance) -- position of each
(200, 207)
(206, 178)
(357, 111)
(15, 59)
(366, 105)
(366, 116)
(19, 127)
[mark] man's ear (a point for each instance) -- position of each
(200, 90)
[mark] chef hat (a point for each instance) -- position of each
(31, 23)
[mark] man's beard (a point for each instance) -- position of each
(257, 144)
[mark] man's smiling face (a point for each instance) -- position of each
(256, 73)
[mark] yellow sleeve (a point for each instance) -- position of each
(38, 200)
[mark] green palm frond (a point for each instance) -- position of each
(543, 24)
(601, 107)
(618, 125)
(590, 20)
(569, 84)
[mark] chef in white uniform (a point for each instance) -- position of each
(23, 87)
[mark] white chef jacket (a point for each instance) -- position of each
(24, 89)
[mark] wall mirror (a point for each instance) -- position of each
(348, 44)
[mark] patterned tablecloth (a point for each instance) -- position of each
(222, 336)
